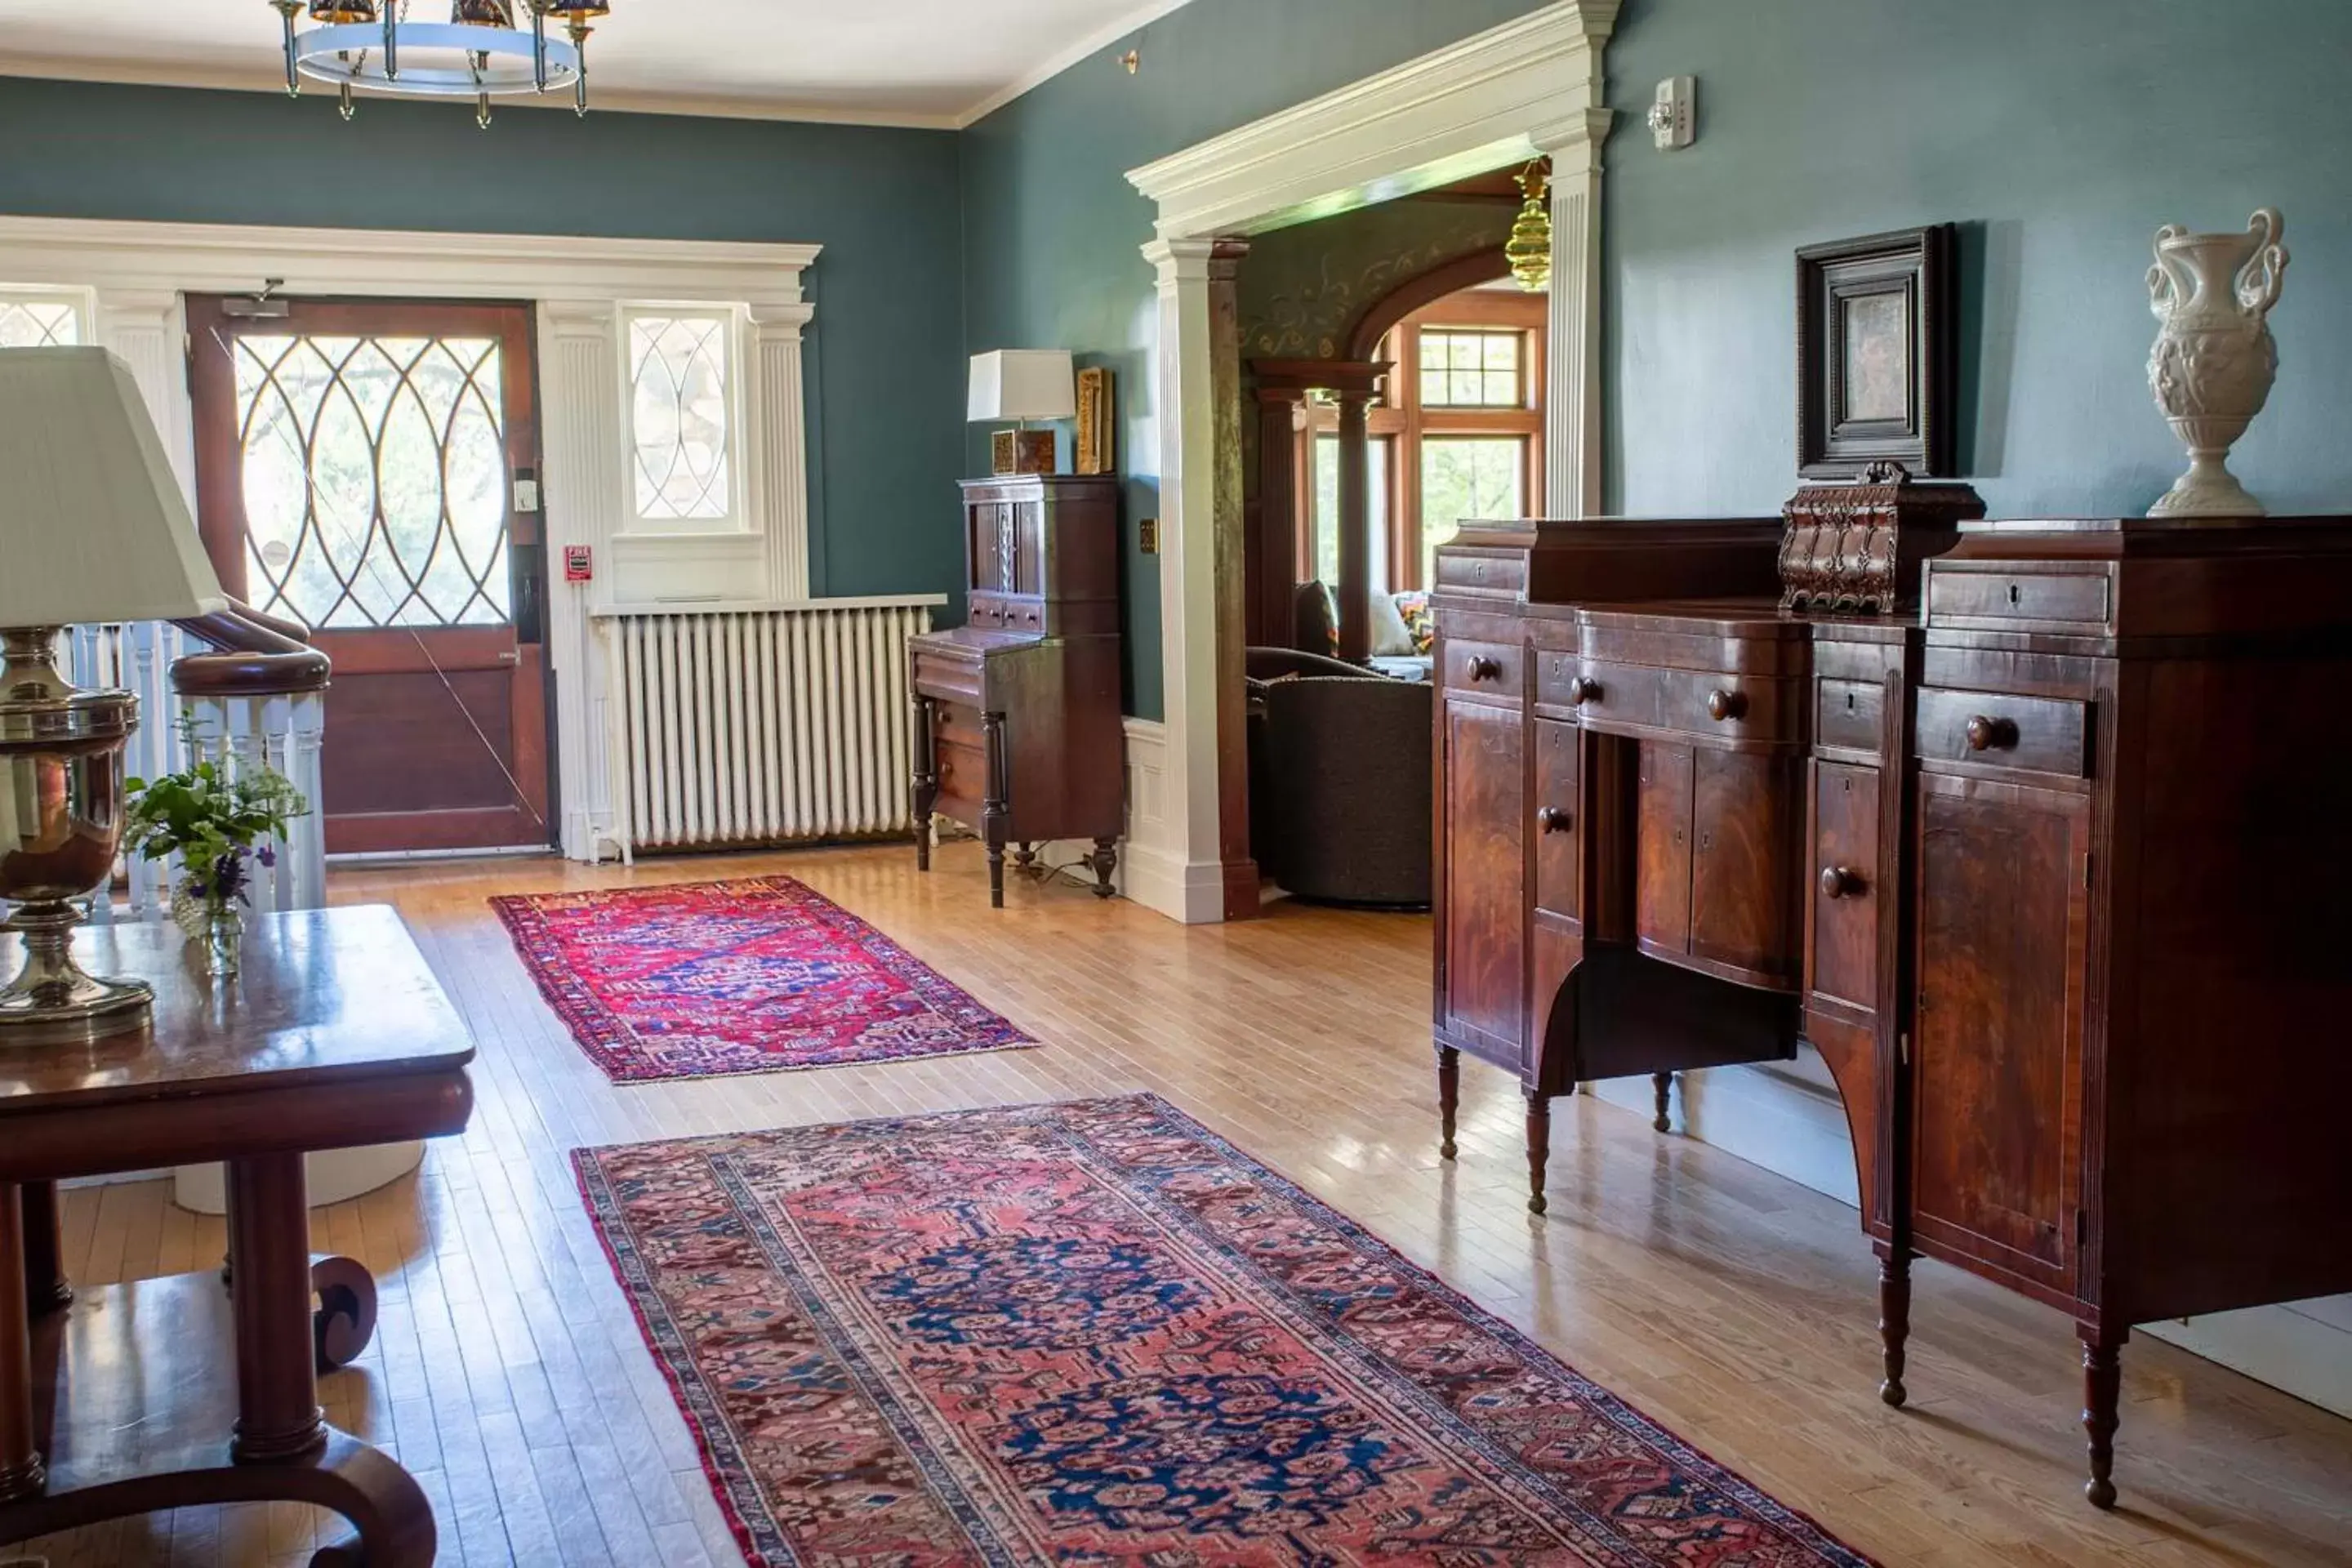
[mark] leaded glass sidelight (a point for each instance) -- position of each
(375, 478)
(679, 422)
(38, 323)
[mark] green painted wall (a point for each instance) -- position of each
(886, 350)
(2060, 136)
(1053, 231)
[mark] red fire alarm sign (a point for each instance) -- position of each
(578, 565)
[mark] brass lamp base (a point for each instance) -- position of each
(60, 825)
(52, 1001)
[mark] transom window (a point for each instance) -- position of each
(1463, 369)
(38, 320)
(682, 417)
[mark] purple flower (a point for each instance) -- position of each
(267, 854)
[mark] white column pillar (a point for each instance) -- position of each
(779, 446)
(583, 494)
(147, 328)
(1572, 393)
(1183, 877)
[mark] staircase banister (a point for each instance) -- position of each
(256, 655)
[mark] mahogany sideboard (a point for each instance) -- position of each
(203, 1388)
(2052, 872)
(1018, 733)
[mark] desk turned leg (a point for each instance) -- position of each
(46, 1289)
(1893, 1319)
(2103, 1383)
(926, 781)
(1449, 1098)
(1538, 1148)
(22, 1474)
(997, 808)
(1104, 862)
(278, 1417)
(1664, 1084)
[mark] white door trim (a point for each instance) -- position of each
(135, 276)
(1533, 85)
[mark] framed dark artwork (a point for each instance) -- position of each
(1877, 354)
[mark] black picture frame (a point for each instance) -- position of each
(1877, 354)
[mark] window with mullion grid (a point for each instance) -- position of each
(1466, 368)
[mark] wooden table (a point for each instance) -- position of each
(204, 1389)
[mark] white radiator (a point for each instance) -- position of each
(766, 727)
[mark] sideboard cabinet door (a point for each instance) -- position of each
(1662, 873)
(2002, 917)
(1485, 806)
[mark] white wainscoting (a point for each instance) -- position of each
(1787, 1118)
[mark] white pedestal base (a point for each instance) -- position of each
(336, 1176)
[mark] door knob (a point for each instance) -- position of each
(1722, 705)
(1837, 882)
(1985, 733)
(1552, 819)
(1583, 689)
(1479, 666)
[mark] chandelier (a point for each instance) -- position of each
(1530, 250)
(478, 53)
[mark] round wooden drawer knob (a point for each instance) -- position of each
(1724, 706)
(1479, 666)
(1583, 689)
(1837, 882)
(1985, 733)
(1552, 819)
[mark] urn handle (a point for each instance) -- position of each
(2259, 281)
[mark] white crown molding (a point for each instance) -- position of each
(168, 257)
(1062, 60)
(1490, 99)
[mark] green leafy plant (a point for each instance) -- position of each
(217, 820)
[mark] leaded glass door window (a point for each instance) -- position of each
(355, 471)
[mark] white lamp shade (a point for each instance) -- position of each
(92, 525)
(1023, 384)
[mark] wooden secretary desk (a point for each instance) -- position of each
(2052, 869)
(1018, 733)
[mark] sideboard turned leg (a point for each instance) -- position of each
(1104, 862)
(1538, 1148)
(1664, 1082)
(1449, 1098)
(997, 808)
(47, 1290)
(926, 783)
(2102, 1380)
(22, 1474)
(278, 1417)
(1893, 1319)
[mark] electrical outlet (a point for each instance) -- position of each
(1147, 534)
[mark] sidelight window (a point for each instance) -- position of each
(683, 418)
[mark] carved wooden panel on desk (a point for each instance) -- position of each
(1998, 1086)
(1485, 800)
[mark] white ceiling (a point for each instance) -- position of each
(900, 62)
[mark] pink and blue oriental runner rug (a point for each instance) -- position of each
(760, 975)
(1096, 1333)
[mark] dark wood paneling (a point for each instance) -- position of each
(1747, 818)
(1485, 909)
(1661, 885)
(1841, 951)
(1557, 804)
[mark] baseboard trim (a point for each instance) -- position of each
(1787, 1120)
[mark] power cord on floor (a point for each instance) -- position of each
(946, 830)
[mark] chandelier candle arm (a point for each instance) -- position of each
(483, 51)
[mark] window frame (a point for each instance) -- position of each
(83, 302)
(741, 410)
(1402, 416)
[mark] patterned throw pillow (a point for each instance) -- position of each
(1414, 608)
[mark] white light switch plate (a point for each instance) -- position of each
(1674, 117)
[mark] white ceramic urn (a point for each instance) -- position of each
(2214, 360)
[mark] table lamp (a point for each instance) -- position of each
(93, 528)
(1022, 384)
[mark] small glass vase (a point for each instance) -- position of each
(223, 940)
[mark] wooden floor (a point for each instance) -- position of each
(1733, 1305)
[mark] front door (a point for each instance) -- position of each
(356, 470)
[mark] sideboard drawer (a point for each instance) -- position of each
(1702, 704)
(2080, 597)
(1849, 715)
(941, 676)
(1486, 668)
(1991, 729)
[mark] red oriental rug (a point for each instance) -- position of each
(1096, 1333)
(710, 979)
